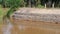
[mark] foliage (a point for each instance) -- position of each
(13, 5)
(40, 6)
(3, 11)
(0, 1)
(10, 3)
(22, 3)
(10, 11)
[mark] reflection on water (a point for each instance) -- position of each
(7, 29)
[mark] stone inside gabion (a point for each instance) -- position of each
(27, 14)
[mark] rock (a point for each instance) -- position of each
(38, 15)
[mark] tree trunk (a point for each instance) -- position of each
(45, 5)
(29, 3)
(53, 5)
(49, 3)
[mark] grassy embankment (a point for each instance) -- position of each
(3, 11)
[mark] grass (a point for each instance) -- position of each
(3, 11)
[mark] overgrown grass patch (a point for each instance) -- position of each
(3, 11)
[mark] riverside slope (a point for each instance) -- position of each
(46, 15)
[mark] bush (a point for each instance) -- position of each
(40, 6)
(10, 3)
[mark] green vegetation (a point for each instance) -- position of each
(40, 6)
(30, 3)
(6, 14)
(14, 4)
(3, 11)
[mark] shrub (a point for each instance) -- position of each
(40, 6)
